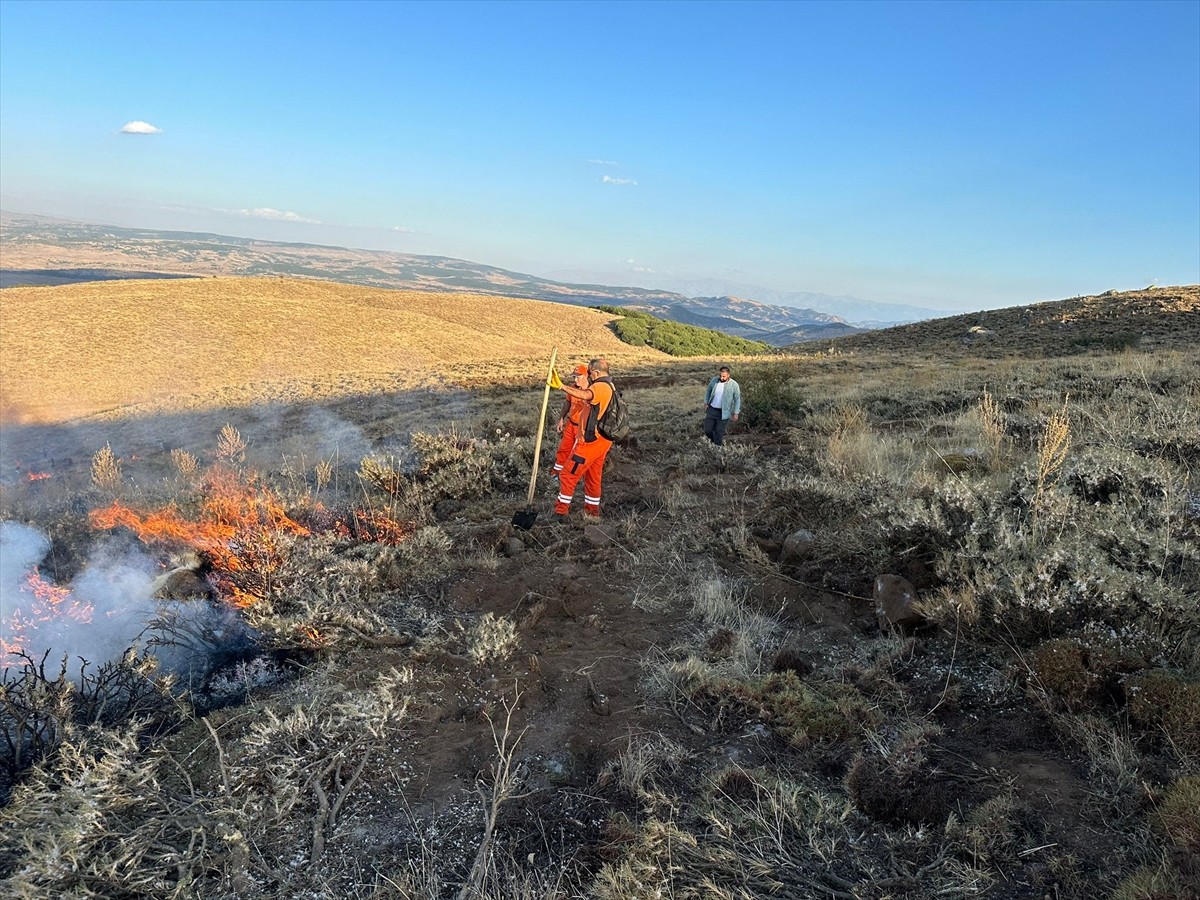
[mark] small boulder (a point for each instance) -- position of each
(797, 545)
(183, 583)
(513, 546)
(895, 602)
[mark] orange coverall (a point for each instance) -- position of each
(576, 418)
(587, 456)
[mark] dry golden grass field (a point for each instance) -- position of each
(379, 688)
(124, 346)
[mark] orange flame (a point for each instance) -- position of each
(238, 527)
(37, 476)
(42, 610)
(311, 637)
(372, 526)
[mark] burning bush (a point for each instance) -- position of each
(239, 526)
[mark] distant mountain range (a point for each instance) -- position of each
(862, 313)
(39, 250)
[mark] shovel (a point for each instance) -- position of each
(524, 518)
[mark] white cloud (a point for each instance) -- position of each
(608, 179)
(138, 127)
(402, 229)
(603, 162)
(276, 215)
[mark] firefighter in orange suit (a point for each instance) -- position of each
(586, 460)
(571, 420)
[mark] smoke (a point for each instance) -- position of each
(331, 434)
(107, 610)
(21, 548)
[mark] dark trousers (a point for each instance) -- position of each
(714, 426)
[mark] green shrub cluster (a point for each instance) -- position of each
(770, 396)
(644, 330)
(1114, 341)
(1085, 673)
(1163, 702)
(456, 466)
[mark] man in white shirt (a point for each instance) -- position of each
(722, 404)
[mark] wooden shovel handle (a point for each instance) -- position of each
(537, 447)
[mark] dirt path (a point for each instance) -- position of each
(586, 646)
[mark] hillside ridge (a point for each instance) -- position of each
(1150, 318)
(38, 250)
(171, 342)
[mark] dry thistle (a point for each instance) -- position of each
(185, 463)
(230, 445)
(384, 474)
(492, 638)
(1052, 450)
(992, 423)
(106, 470)
(324, 473)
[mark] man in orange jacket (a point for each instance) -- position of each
(571, 420)
(586, 459)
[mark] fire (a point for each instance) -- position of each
(311, 637)
(42, 607)
(371, 526)
(37, 476)
(238, 527)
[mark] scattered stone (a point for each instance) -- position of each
(895, 602)
(797, 545)
(183, 583)
(597, 700)
(513, 546)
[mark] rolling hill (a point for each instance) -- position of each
(1155, 317)
(81, 349)
(39, 251)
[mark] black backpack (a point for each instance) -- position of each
(614, 424)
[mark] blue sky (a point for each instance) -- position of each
(950, 155)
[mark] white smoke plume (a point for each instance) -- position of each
(109, 609)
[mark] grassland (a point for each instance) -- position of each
(694, 700)
(117, 347)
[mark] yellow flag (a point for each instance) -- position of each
(553, 380)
